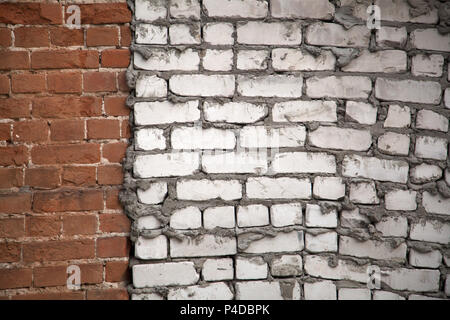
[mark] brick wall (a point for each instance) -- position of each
(352, 125)
(63, 134)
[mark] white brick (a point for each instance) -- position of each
(234, 112)
(427, 65)
(251, 268)
(431, 147)
(185, 9)
(150, 10)
(447, 176)
(447, 286)
(166, 165)
(412, 279)
(201, 190)
(151, 248)
(353, 219)
(267, 137)
(348, 87)
(252, 59)
(315, 218)
(146, 296)
(217, 33)
(430, 259)
(425, 173)
(394, 143)
(401, 200)
(408, 91)
(151, 34)
(331, 188)
(304, 162)
(148, 113)
(282, 242)
(154, 194)
(313, 9)
(363, 192)
(252, 216)
(398, 117)
(386, 61)
(222, 217)
(401, 11)
(288, 214)
(218, 269)
(264, 290)
(322, 242)
(318, 266)
(286, 265)
(421, 297)
(431, 231)
(269, 33)
(285, 86)
(192, 138)
(164, 274)
(361, 112)
(393, 226)
(287, 59)
(212, 291)
(386, 295)
(371, 249)
(328, 137)
(305, 111)
(186, 218)
(218, 60)
(436, 203)
(149, 139)
(184, 34)
(320, 290)
(391, 37)
(235, 162)
(278, 188)
(203, 246)
(331, 34)
(167, 60)
(202, 85)
(236, 8)
(430, 39)
(374, 168)
(148, 223)
(429, 120)
(447, 98)
(354, 294)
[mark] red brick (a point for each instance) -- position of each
(79, 295)
(115, 106)
(31, 37)
(67, 130)
(4, 84)
(64, 59)
(125, 129)
(15, 202)
(31, 13)
(13, 155)
(122, 81)
(125, 36)
(50, 276)
(14, 108)
(68, 200)
(79, 224)
(43, 226)
(63, 154)
(103, 129)
(30, 131)
(91, 273)
(28, 83)
(117, 271)
(58, 250)
(5, 37)
(14, 60)
(102, 36)
(5, 132)
(99, 82)
(66, 107)
(10, 251)
(112, 199)
(65, 37)
(105, 13)
(113, 247)
(115, 152)
(15, 278)
(64, 82)
(107, 294)
(115, 58)
(12, 227)
(11, 177)
(79, 176)
(47, 177)
(114, 222)
(109, 175)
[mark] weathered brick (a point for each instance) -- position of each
(330, 34)
(408, 91)
(269, 33)
(347, 87)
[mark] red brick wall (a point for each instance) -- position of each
(63, 134)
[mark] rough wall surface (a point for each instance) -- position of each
(282, 149)
(63, 133)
